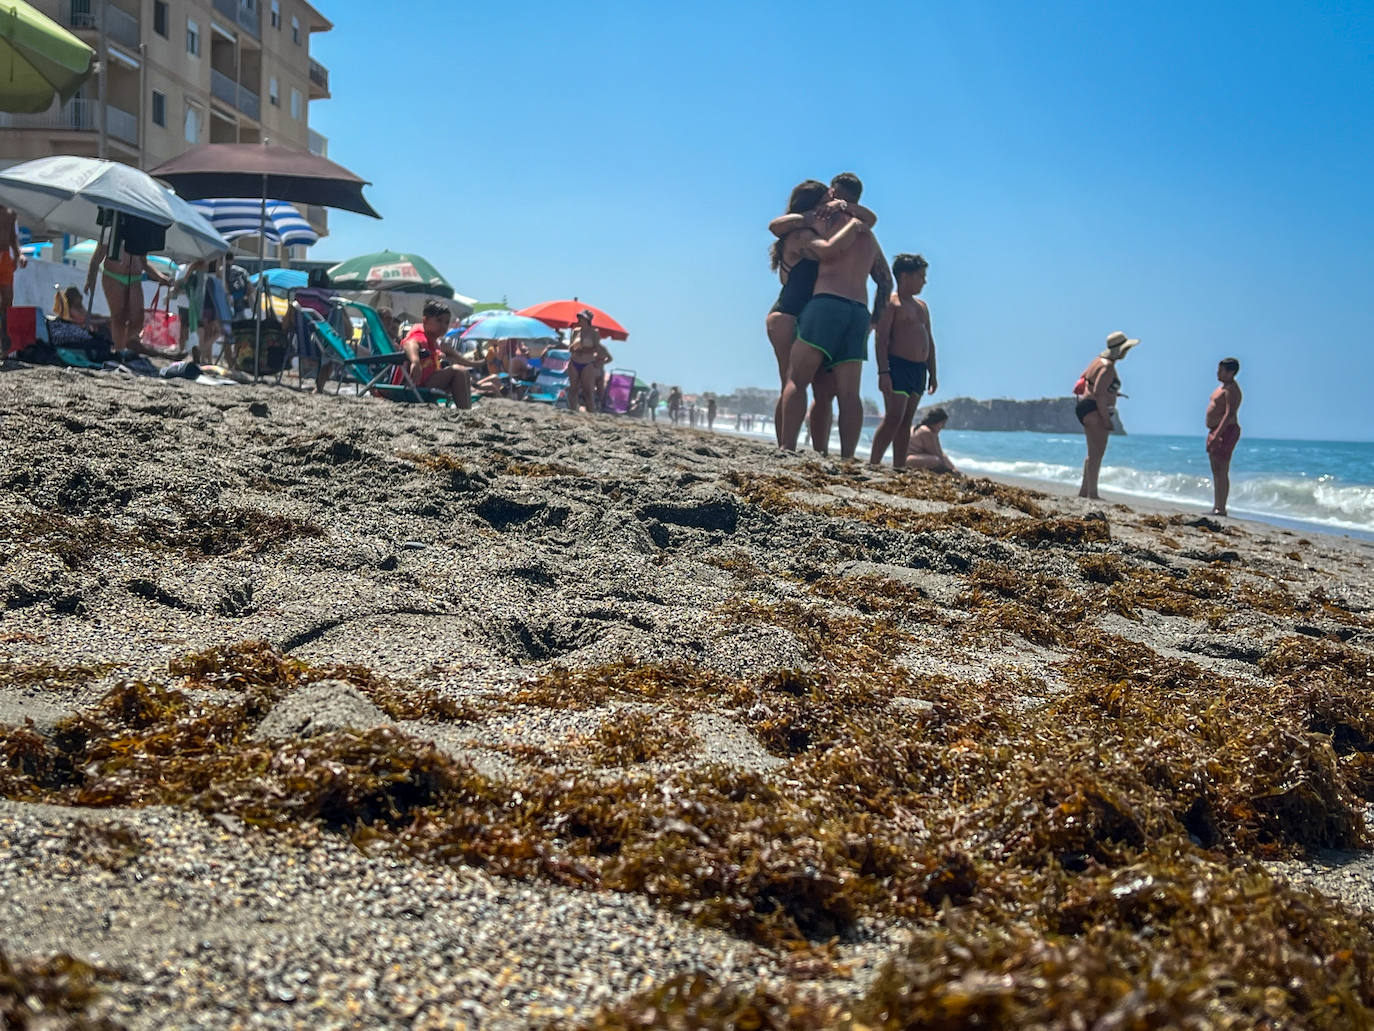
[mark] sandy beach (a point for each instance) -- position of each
(327, 712)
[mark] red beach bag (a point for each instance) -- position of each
(161, 328)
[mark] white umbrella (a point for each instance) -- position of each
(65, 193)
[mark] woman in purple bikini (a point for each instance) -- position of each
(588, 357)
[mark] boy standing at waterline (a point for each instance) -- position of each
(1223, 431)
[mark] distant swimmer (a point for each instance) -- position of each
(1098, 388)
(905, 349)
(1223, 431)
(924, 451)
(832, 330)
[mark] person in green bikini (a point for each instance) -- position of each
(121, 277)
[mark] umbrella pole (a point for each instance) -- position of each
(262, 279)
(90, 294)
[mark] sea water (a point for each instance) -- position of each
(1326, 485)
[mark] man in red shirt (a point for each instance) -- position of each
(423, 347)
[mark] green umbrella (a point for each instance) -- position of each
(39, 59)
(387, 270)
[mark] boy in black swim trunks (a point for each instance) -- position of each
(906, 359)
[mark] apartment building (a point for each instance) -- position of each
(175, 73)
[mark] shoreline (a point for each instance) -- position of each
(1145, 503)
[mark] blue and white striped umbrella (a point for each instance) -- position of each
(233, 218)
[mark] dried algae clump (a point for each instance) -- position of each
(693, 1001)
(1179, 942)
(628, 738)
(54, 994)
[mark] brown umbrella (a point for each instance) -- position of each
(263, 170)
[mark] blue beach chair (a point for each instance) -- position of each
(551, 385)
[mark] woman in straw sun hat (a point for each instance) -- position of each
(1097, 390)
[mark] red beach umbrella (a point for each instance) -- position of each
(563, 315)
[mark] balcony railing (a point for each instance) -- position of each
(224, 88)
(79, 115)
(121, 124)
(319, 75)
(120, 25)
(319, 144)
(248, 103)
(75, 115)
(244, 15)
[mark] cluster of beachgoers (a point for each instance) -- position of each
(825, 252)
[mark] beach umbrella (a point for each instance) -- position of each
(236, 217)
(264, 171)
(40, 61)
(80, 254)
(563, 315)
(283, 278)
(389, 270)
(509, 327)
(267, 172)
(479, 312)
(66, 193)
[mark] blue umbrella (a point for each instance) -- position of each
(234, 218)
(283, 278)
(506, 326)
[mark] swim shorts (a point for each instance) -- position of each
(835, 326)
(1224, 443)
(908, 377)
(6, 269)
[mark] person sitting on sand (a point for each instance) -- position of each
(1099, 387)
(73, 307)
(588, 359)
(423, 345)
(1223, 431)
(494, 378)
(924, 451)
(905, 349)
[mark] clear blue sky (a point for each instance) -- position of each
(1198, 175)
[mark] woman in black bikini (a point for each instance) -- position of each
(792, 258)
(1098, 404)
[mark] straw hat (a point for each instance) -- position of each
(1117, 346)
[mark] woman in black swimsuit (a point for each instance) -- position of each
(1098, 405)
(798, 277)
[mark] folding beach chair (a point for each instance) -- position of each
(620, 386)
(550, 385)
(370, 370)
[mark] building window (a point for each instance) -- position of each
(192, 124)
(272, 97)
(192, 38)
(159, 108)
(295, 30)
(276, 14)
(296, 104)
(160, 18)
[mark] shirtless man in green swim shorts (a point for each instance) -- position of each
(832, 330)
